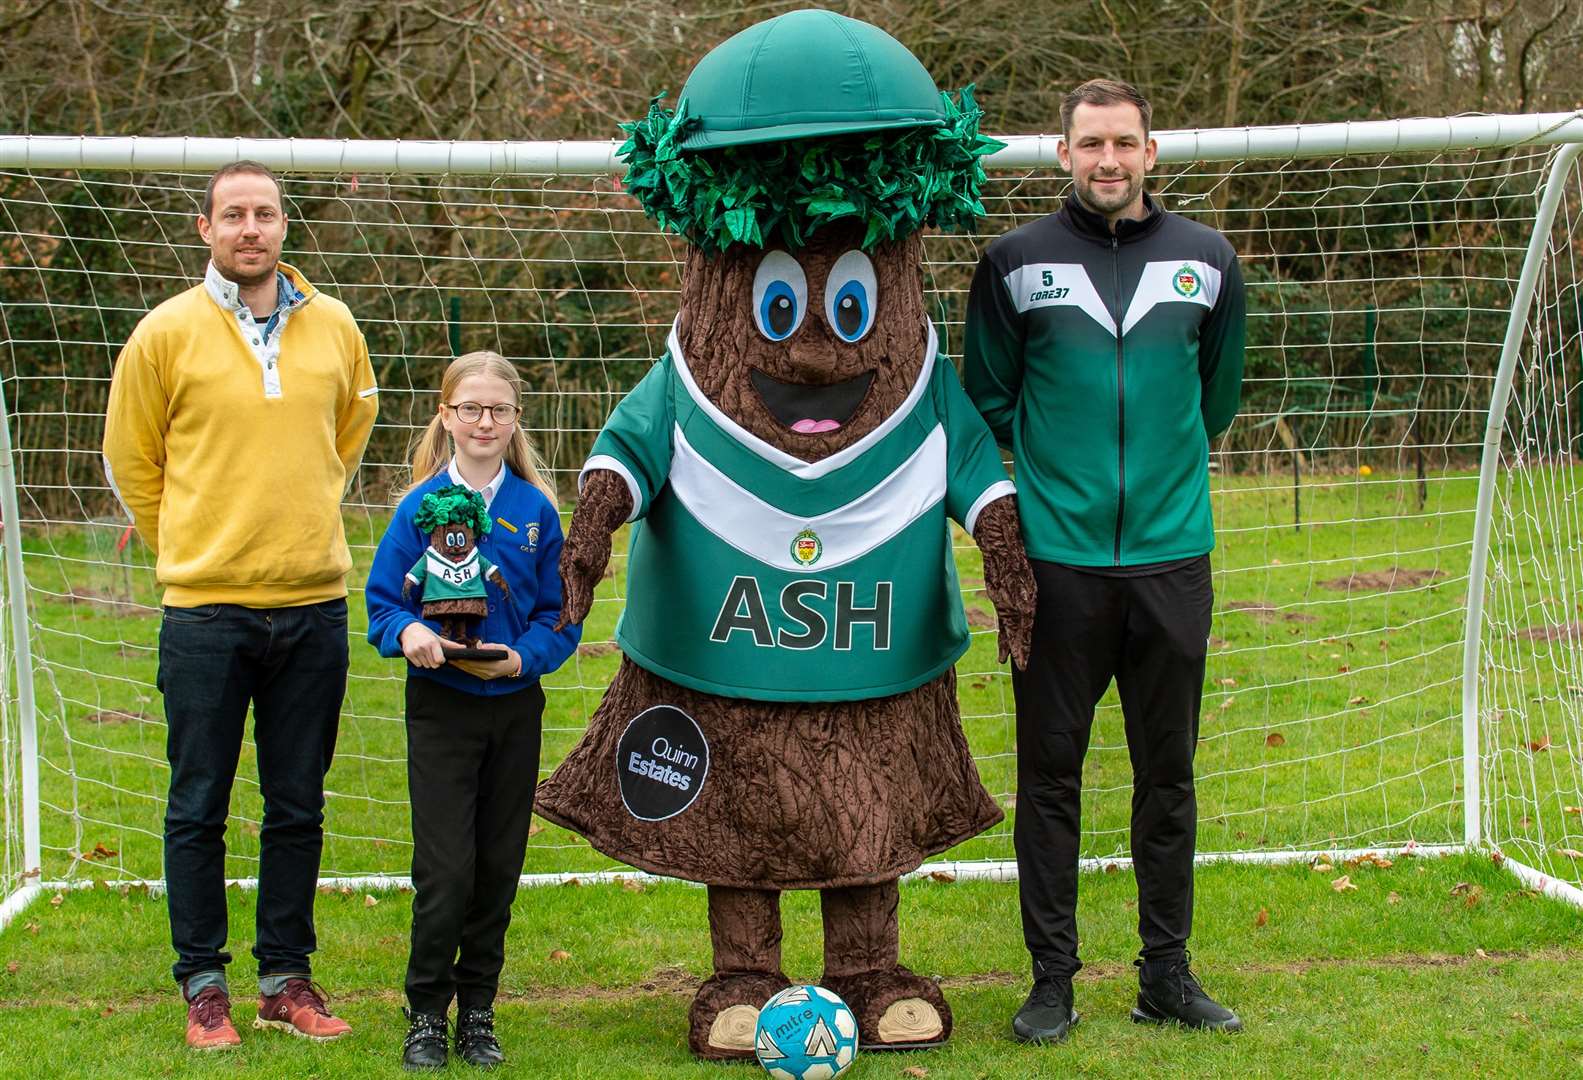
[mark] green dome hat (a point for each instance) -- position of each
(800, 121)
(804, 74)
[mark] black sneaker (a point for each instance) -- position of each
(475, 1037)
(424, 1046)
(1047, 1016)
(1168, 993)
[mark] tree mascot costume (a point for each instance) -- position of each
(785, 715)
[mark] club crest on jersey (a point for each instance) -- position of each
(806, 547)
(1186, 282)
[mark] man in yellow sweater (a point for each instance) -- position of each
(238, 415)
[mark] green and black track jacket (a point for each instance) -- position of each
(1106, 362)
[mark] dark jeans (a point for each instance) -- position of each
(1151, 635)
(472, 763)
(290, 663)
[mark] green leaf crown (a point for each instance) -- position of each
(894, 181)
(454, 504)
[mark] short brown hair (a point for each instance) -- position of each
(1104, 92)
(256, 168)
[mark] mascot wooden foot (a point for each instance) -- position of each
(785, 715)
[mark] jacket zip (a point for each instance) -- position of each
(1121, 397)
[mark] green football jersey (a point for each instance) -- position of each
(755, 574)
(442, 579)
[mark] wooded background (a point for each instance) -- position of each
(549, 69)
(1373, 306)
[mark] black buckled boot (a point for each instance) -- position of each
(475, 1037)
(424, 1046)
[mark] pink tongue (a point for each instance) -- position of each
(815, 427)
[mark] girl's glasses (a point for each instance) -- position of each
(471, 412)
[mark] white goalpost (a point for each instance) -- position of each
(1397, 660)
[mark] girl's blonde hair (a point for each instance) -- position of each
(432, 450)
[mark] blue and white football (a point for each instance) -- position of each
(806, 1033)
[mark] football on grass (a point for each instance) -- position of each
(806, 1033)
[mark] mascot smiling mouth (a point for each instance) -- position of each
(811, 410)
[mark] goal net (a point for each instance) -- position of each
(1380, 283)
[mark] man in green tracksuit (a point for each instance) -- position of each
(1104, 347)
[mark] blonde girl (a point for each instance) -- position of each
(472, 725)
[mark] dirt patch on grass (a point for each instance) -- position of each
(1266, 613)
(103, 601)
(1396, 577)
(677, 981)
(597, 648)
(1565, 632)
(980, 619)
(116, 716)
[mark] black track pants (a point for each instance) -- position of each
(1150, 633)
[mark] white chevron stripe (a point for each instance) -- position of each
(765, 532)
(1158, 286)
(1038, 285)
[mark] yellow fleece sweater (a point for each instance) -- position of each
(237, 492)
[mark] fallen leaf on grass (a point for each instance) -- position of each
(1359, 700)
(1343, 884)
(596, 648)
(370, 901)
(107, 1012)
(1275, 738)
(1322, 867)
(1112, 868)
(31, 928)
(916, 1072)
(559, 955)
(1369, 858)
(1228, 703)
(1481, 954)
(1578, 810)
(1542, 744)
(57, 900)
(101, 852)
(1394, 898)
(1262, 918)
(1497, 858)
(1571, 853)
(11, 967)
(944, 877)
(1228, 682)
(634, 885)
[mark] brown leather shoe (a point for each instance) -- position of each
(209, 1024)
(300, 1009)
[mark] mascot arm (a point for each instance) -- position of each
(1008, 578)
(604, 505)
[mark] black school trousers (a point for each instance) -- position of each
(472, 764)
(1150, 633)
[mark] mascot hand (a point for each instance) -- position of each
(500, 579)
(1007, 577)
(604, 504)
